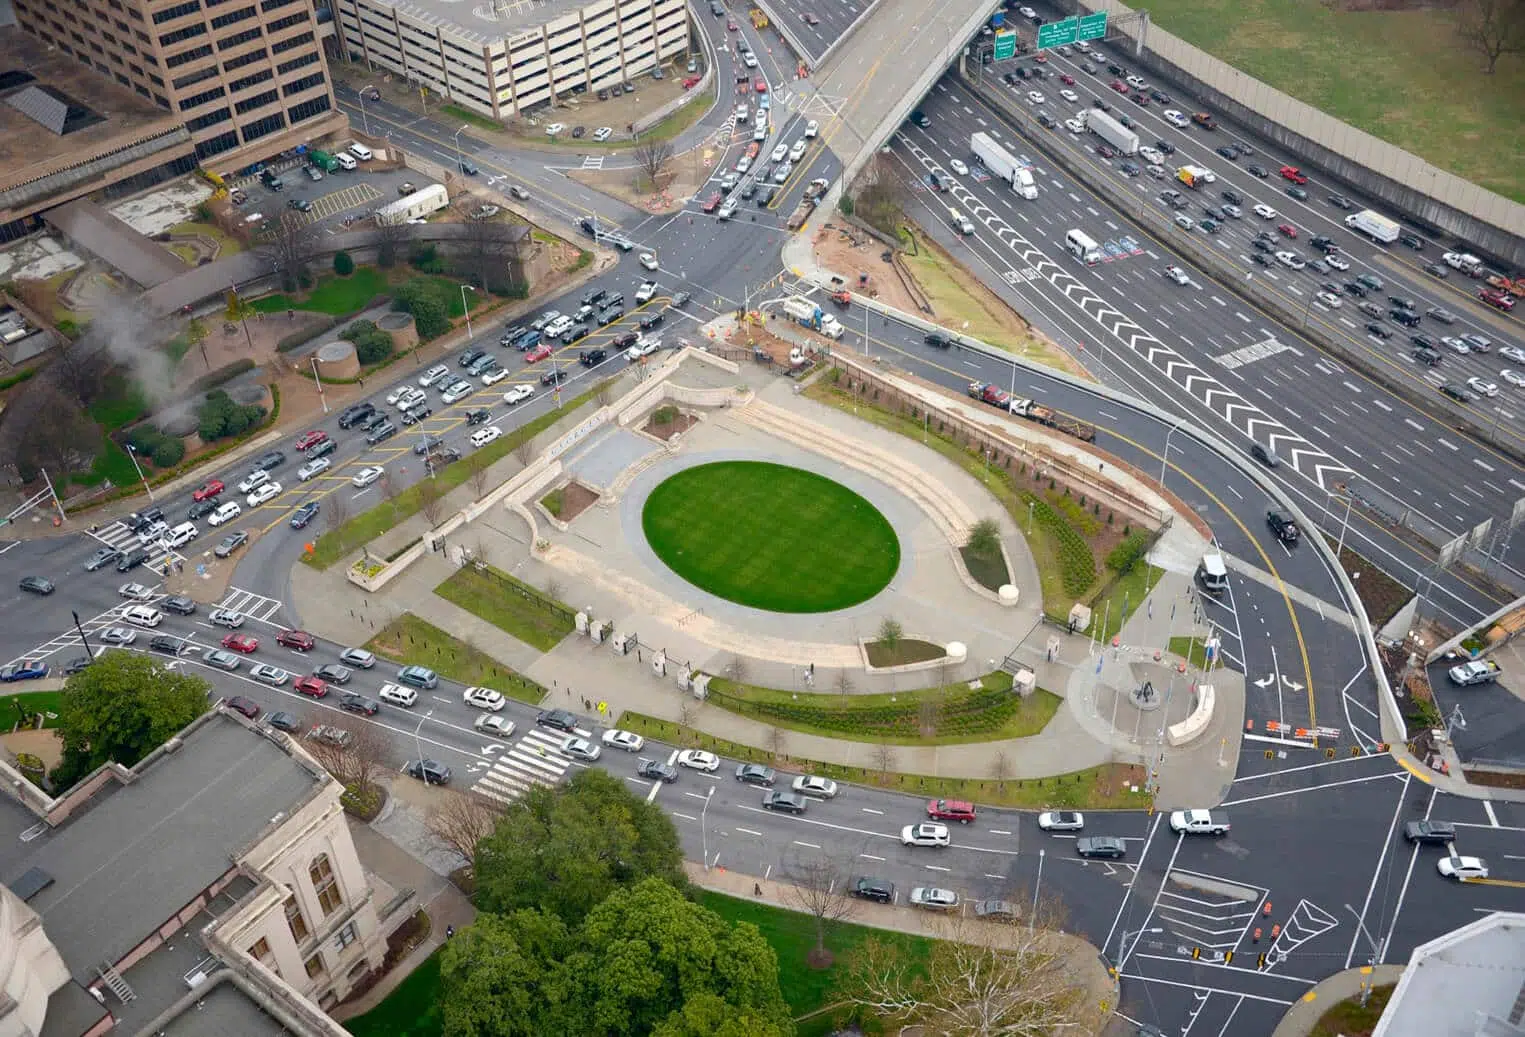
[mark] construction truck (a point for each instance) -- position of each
(1193, 176)
(806, 312)
(1002, 165)
(759, 20)
(323, 160)
(800, 214)
(985, 392)
(1513, 286)
(1034, 411)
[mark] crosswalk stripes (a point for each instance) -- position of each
(593, 162)
(254, 606)
(535, 760)
(118, 536)
(93, 625)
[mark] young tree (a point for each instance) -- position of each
(290, 248)
(884, 760)
(818, 883)
(431, 501)
(651, 158)
(891, 633)
(363, 758)
(391, 243)
(984, 539)
(777, 738)
(458, 821)
(1492, 28)
(196, 334)
(478, 475)
(524, 452)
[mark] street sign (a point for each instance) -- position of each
(1094, 26)
(1005, 44)
(1058, 34)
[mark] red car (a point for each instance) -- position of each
(1067, 79)
(244, 643)
(301, 640)
(311, 439)
(761, 85)
(1293, 174)
(811, 19)
(539, 353)
(1119, 86)
(313, 686)
(1041, 59)
(690, 82)
(207, 492)
(1289, 230)
(1493, 297)
(712, 202)
(950, 810)
(732, 26)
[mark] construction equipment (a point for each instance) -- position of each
(759, 20)
(1037, 412)
(843, 299)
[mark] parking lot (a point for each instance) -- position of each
(340, 194)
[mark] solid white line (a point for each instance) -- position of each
(1304, 767)
(812, 846)
(749, 831)
(1377, 871)
(1232, 1012)
(1128, 892)
(1154, 905)
(1210, 990)
(1404, 889)
(1318, 788)
(871, 857)
(1492, 817)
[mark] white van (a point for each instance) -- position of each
(345, 160)
(226, 512)
(397, 695)
(361, 152)
(1213, 573)
(960, 222)
(181, 535)
(743, 113)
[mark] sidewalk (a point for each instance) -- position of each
(1306, 1012)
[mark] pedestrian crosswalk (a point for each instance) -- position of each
(535, 760)
(254, 606)
(69, 637)
(117, 535)
(593, 162)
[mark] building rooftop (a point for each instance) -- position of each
(483, 21)
(36, 75)
(141, 259)
(1468, 983)
(138, 854)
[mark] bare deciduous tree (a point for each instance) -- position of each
(357, 757)
(1492, 28)
(45, 428)
(1000, 769)
(687, 711)
(431, 501)
(736, 669)
(844, 682)
(926, 717)
(524, 452)
(488, 254)
(478, 475)
(884, 760)
(777, 738)
(290, 247)
(336, 508)
(651, 158)
(457, 821)
(819, 883)
(391, 243)
(605, 395)
(389, 486)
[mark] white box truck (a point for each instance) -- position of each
(1003, 165)
(1112, 131)
(1373, 225)
(414, 206)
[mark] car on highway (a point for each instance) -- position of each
(358, 658)
(1036, 97)
(1265, 212)
(230, 543)
(1061, 821)
(1291, 260)
(1455, 345)
(1069, 95)
(756, 774)
(1379, 331)
(494, 724)
(1513, 353)
(699, 760)
(1497, 299)
(1339, 201)
(1176, 118)
(264, 494)
(268, 674)
(241, 643)
(927, 833)
(1286, 230)
(1259, 171)
(958, 810)
(313, 468)
(1329, 299)
(933, 898)
(1460, 868)
(221, 660)
(1337, 262)
(299, 640)
(1176, 275)
(333, 673)
(1482, 387)
(1074, 125)
(1477, 342)
(656, 770)
(788, 802)
(629, 741)
(207, 490)
(810, 785)
(312, 687)
(354, 702)
(563, 720)
(1106, 846)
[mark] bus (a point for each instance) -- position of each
(1082, 247)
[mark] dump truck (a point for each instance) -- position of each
(1002, 165)
(1034, 411)
(1374, 225)
(1478, 671)
(323, 160)
(801, 213)
(1199, 822)
(1194, 176)
(759, 20)
(1514, 286)
(806, 312)
(1112, 131)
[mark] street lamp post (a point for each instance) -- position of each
(321, 397)
(418, 744)
(365, 120)
(704, 831)
(1165, 457)
(132, 452)
(1032, 918)
(82, 638)
(459, 161)
(1378, 951)
(1123, 950)
(464, 289)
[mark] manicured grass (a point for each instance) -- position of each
(552, 502)
(411, 1010)
(111, 462)
(44, 702)
(455, 111)
(409, 640)
(989, 571)
(1103, 787)
(1401, 75)
(492, 596)
(770, 536)
(1126, 595)
(334, 295)
(791, 934)
(1189, 648)
(1350, 1019)
(370, 524)
(119, 403)
(904, 652)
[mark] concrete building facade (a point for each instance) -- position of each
(512, 57)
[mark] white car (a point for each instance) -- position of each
(1176, 274)
(646, 291)
(1290, 260)
(494, 375)
(312, 468)
(143, 616)
(1027, 12)
(495, 725)
(1137, 82)
(812, 128)
(1075, 125)
(648, 261)
(366, 476)
(643, 347)
(1185, 222)
(1175, 118)
(743, 163)
(603, 133)
(1481, 387)
(810, 785)
(482, 436)
(484, 698)
(1514, 353)
(253, 481)
(135, 592)
(779, 153)
(410, 398)
(1462, 867)
(797, 152)
(749, 59)
(626, 740)
(1151, 156)
(580, 749)
(554, 328)
(1513, 377)
(1265, 212)
(699, 760)
(1330, 300)
(958, 167)
(1233, 212)
(1061, 821)
(226, 618)
(434, 374)
(934, 899)
(458, 391)
(227, 511)
(928, 833)
(1069, 95)
(518, 394)
(397, 394)
(267, 492)
(1455, 344)
(555, 128)
(1337, 262)
(1036, 96)
(267, 674)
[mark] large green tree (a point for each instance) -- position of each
(563, 850)
(123, 707)
(645, 961)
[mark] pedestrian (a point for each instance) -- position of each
(569, 691)
(757, 889)
(449, 931)
(1151, 608)
(638, 655)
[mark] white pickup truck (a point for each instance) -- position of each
(1199, 822)
(1478, 671)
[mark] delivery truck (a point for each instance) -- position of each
(1194, 176)
(1374, 225)
(323, 160)
(414, 206)
(1003, 165)
(1112, 131)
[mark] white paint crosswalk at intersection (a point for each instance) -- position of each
(118, 536)
(69, 638)
(254, 606)
(535, 760)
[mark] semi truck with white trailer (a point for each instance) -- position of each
(414, 206)
(1374, 225)
(1112, 131)
(1003, 165)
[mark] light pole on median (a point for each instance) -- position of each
(704, 831)
(132, 452)
(321, 397)
(464, 289)
(1378, 950)
(1032, 919)
(1123, 950)
(418, 744)
(1165, 457)
(459, 161)
(365, 120)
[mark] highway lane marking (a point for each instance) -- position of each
(937, 867)
(686, 817)
(878, 835)
(1212, 990)
(1315, 788)
(871, 810)
(1443, 441)
(998, 831)
(749, 831)
(1485, 466)
(1376, 875)
(871, 857)
(811, 846)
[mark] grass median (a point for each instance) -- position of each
(370, 524)
(409, 640)
(509, 604)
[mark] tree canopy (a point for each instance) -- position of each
(122, 707)
(564, 850)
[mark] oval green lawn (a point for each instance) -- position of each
(771, 537)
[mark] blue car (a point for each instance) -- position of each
(527, 341)
(305, 514)
(25, 670)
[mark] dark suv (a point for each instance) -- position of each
(868, 888)
(269, 460)
(353, 702)
(353, 416)
(560, 719)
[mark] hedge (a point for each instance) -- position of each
(1077, 566)
(225, 373)
(297, 339)
(17, 378)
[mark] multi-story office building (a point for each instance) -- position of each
(512, 57)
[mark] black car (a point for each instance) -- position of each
(1100, 846)
(594, 296)
(1285, 529)
(103, 557)
(165, 643)
(560, 719)
(1378, 330)
(764, 199)
(1438, 270)
(624, 340)
(1456, 393)
(609, 316)
(555, 376)
(353, 702)
(1262, 245)
(132, 559)
(138, 521)
(788, 802)
(1430, 833)
(283, 721)
(305, 514)
(511, 333)
(1408, 318)
(468, 167)
(413, 415)
(1323, 244)
(1422, 341)
(202, 507)
(1412, 242)
(1160, 96)
(1233, 197)
(356, 414)
(179, 604)
(574, 333)
(1167, 148)
(430, 772)
(679, 300)
(333, 673)
(592, 357)
(75, 665)
(756, 774)
(36, 585)
(1427, 357)
(657, 771)
(478, 416)
(919, 117)
(1229, 152)
(1356, 289)
(470, 357)
(384, 430)
(1260, 260)
(649, 320)
(1259, 171)
(867, 888)
(269, 460)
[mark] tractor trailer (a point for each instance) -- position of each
(806, 312)
(1002, 165)
(1374, 225)
(414, 206)
(1112, 131)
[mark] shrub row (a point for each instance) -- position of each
(1122, 558)
(972, 712)
(1077, 566)
(165, 451)
(17, 378)
(225, 373)
(372, 345)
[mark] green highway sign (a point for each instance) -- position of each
(1058, 34)
(1005, 44)
(1094, 26)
